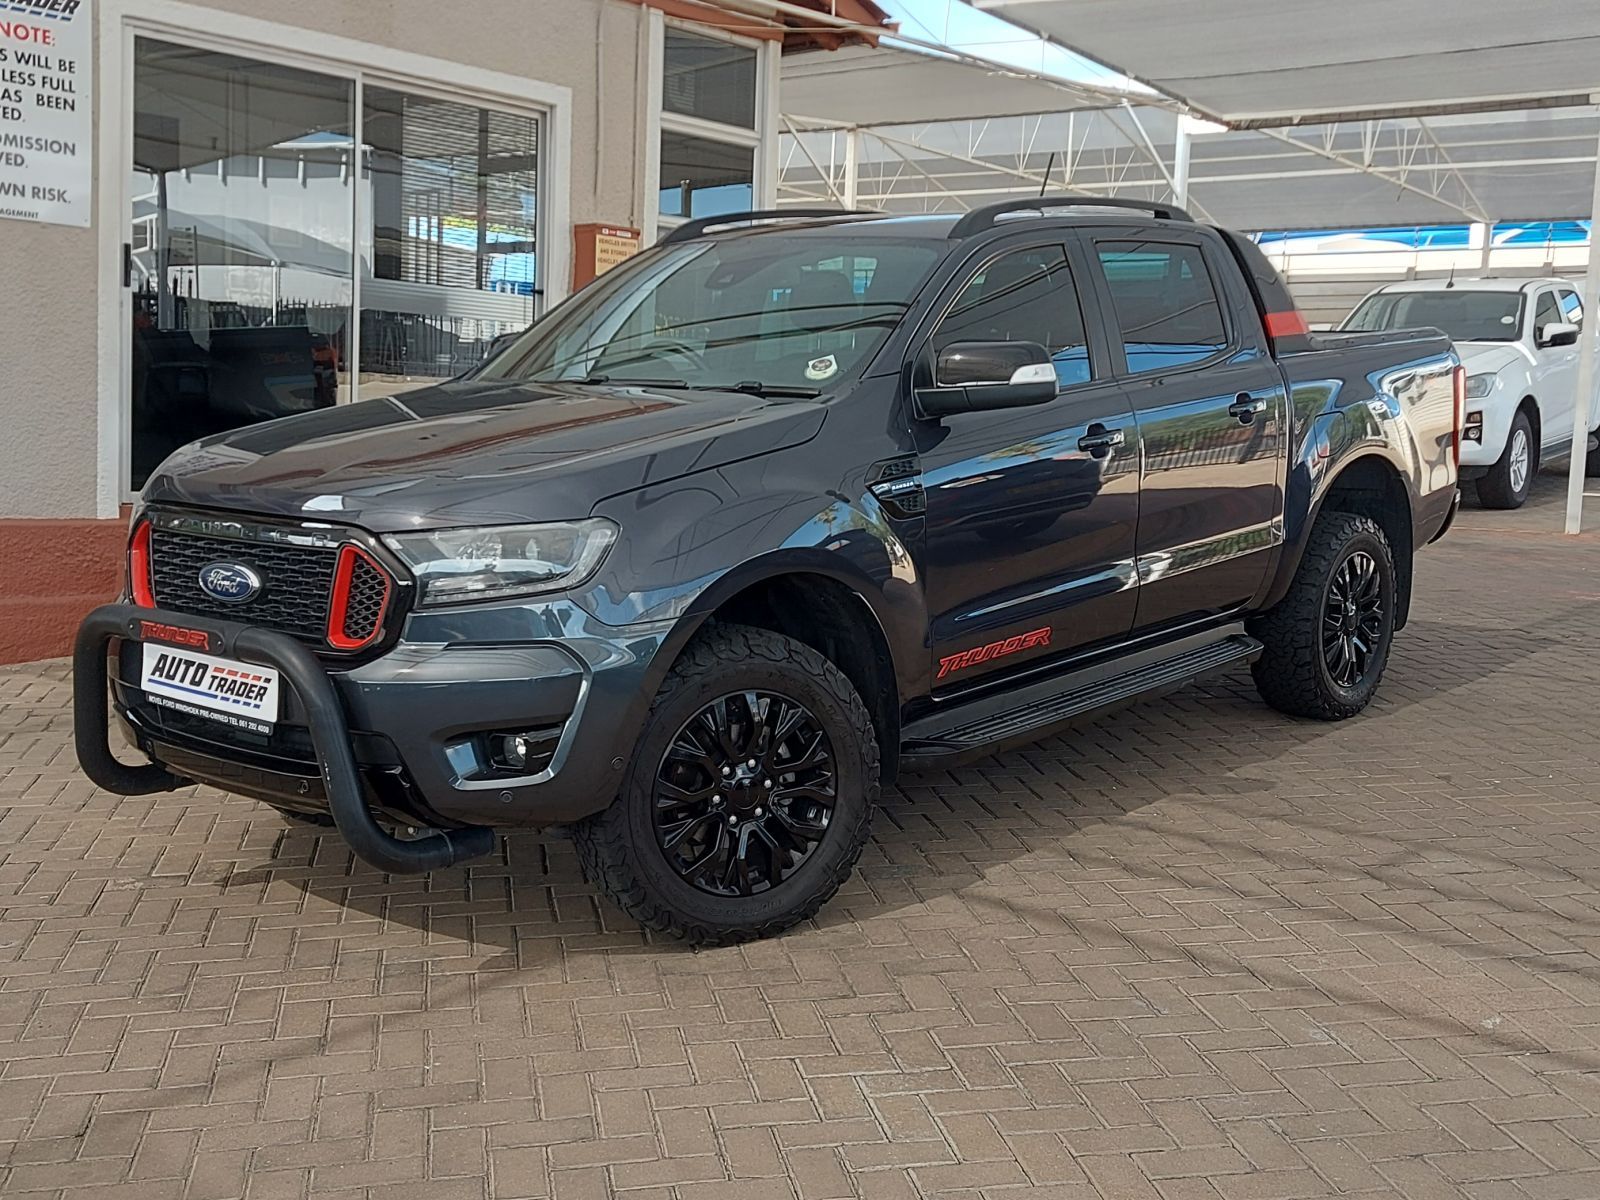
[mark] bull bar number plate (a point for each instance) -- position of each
(239, 694)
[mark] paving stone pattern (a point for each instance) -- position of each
(1194, 951)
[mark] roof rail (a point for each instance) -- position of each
(693, 229)
(986, 217)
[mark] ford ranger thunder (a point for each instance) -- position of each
(788, 506)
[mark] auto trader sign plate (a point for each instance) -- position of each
(239, 694)
(46, 119)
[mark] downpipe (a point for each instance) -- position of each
(330, 736)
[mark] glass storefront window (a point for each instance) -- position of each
(450, 257)
(709, 78)
(704, 178)
(241, 240)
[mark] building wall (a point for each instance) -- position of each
(49, 337)
(48, 375)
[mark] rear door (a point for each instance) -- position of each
(1028, 548)
(1194, 365)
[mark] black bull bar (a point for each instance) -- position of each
(330, 735)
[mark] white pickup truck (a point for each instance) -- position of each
(1518, 339)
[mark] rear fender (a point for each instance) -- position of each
(1335, 444)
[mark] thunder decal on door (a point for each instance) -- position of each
(982, 654)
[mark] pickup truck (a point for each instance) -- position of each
(788, 506)
(1518, 340)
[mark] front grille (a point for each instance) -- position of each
(297, 585)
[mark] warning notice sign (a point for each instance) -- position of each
(46, 122)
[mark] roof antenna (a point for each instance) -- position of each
(1451, 282)
(1048, 167)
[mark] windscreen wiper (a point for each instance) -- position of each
(597, 380)
(754, 387)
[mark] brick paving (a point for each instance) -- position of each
(1193, 952)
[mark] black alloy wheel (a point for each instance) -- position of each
(1353, 619)
(1324, 646)
(749, 796)
(745, 793)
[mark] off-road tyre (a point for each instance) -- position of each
(619, 848)
(1293, 673)
(1591, 462)
(1501, 487)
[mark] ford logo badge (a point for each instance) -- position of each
(232, 583)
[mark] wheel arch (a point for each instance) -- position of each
(820, 603)
(1372, 486)
(1530, 405)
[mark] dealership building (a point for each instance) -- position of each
(217, 212)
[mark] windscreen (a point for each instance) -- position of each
(801, 312)
(1467, 316)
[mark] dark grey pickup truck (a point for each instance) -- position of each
(789, 506)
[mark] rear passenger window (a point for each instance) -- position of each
(1166, 305)
(1024, 296)
(1571, 307)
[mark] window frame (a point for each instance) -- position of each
(957, 282)
(1221, 288)
(762, 137)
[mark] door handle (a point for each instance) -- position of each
(1247, 407)
(1099, 440)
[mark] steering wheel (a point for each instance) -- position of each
(670, 347)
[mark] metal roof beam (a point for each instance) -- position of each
(1397, 179)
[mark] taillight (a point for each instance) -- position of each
(1286, 324)
(360, 599)
(1459, 387)
(139, 567)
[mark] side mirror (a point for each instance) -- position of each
(1558, 333)
(981, 376)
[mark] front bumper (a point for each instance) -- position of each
(413, 723)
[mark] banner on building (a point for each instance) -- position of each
(46, 118)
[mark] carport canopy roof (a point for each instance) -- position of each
(1255, 62)
(889, 84)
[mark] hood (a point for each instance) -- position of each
(1485, 358)
(469, 453)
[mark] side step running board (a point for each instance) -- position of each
(981, 727)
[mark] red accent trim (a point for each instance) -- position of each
(139, 567)
(339, 606)
(1286, 324)
(1459, 387)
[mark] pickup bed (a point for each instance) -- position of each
(789, 505)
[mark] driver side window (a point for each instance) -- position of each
(1571, 307)
(1023, 296)
(1547, 312)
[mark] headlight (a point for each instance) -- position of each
(454, 566)
(1479, 386)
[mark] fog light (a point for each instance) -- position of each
(514, 750)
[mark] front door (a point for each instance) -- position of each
(1555, 371)
(1031, 511)
(1210, 402)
